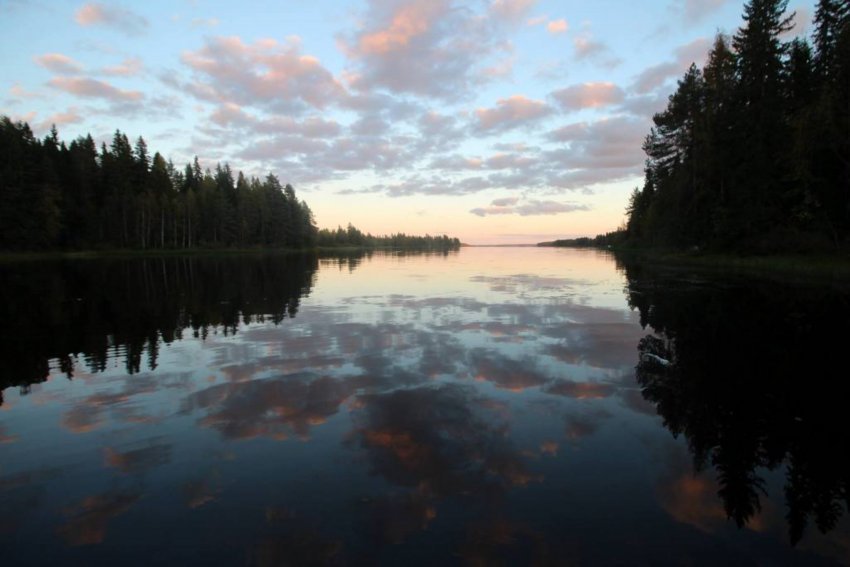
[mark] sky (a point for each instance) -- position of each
(496, 121)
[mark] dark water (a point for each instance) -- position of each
(486, 407)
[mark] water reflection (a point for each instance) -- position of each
(748, 372)
(97, 309)
(472, 408)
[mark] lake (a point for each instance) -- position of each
(488, 406)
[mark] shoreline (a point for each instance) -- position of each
(11, 257)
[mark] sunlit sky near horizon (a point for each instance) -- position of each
(497, 121)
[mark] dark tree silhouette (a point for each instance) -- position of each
(750, 392)
(752, 153)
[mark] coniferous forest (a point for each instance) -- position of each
(752, 153)
(55, 196)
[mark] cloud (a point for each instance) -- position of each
(500, 69)
(589, 49)
(588, 95)
(511, 112)
(509, 161)
(265, 74)
(71, 116)
(436, 49)
(120, 18)
(434, 184)
(92, 88)
(505, 201)
(591, 153)
(596, 152)
(645, 106)
(511, 10)
(456, 163)
(20, 92)
(657, 76)
(59, 63)
(230, 115)
(127, 68)
(557, 26)
(442, 132)
(588, 153)
(653, 77)
(528, 208)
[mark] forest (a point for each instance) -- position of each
(352, 236)
(55, 196)
(752, 153)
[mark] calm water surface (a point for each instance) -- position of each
(492, 406)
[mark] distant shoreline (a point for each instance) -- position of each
(159, 252)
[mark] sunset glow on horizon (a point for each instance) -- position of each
(494, 121)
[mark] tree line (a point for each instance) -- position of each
(752, 152)
(58, 196)
(74, 196)
(351, 236)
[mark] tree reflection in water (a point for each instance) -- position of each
(100, 309)
(750, 374)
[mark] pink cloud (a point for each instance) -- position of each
(230, 114)
(264, 74)
(502, 68)
(28, 117)
(512, 10)
(511, 112)
(430, 48)
(123, 19)
(93, 88)
(557, 26)
(589, 95)
(20, 92)
(129, 67)
(59, 63)
(585, 46)
(409, 22)
(71, 116)
(589, 49)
